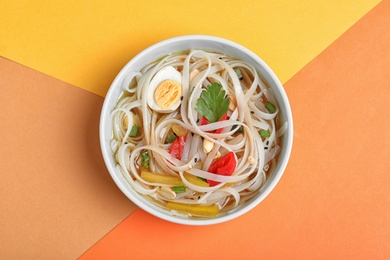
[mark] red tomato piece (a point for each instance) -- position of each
(219, 130)
(177, 147)
(226, 165)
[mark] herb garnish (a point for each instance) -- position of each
(134, 131)
(264, 133)
(212, 104)
(145, 158)
(270, 107)
(170, 138)
(179, 189)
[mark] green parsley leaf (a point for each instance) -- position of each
(212, 104)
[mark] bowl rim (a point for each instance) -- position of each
(152, 209)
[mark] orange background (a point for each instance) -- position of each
(58, 201)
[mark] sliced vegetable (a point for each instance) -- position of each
(134, 130)
(239, 130)
(145, 159)
(161, 178)
(179, 189)
(197, 210)
(238, 72)
(226, 165)
(213, 104)
(170, 138)
(202, 179)
(270, 107)
(264, 133)
(177, 147)
(219, 130)
(196, 180)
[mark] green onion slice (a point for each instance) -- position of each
(134, 130)
(264, 133)
(203, 179)
(270, 107)
(145, 158)
(170, 138)
(179, 189)
(238, 72)
(239, 130)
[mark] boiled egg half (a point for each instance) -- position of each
(164, 93)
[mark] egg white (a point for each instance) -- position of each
(165, 73)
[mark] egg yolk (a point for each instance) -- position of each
(167, 93)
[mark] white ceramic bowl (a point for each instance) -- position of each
(206, 43)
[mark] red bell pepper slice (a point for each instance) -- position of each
(226, 165)
(177, 147)
(219, 130)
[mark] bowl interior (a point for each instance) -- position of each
(205, 43)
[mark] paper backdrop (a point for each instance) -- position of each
(57, 61)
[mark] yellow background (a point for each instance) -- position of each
(86, 43)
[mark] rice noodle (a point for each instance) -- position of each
(255, 154)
